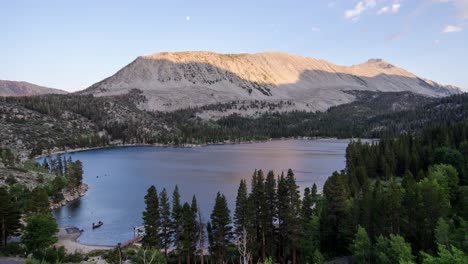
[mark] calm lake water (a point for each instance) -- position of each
(119, 177)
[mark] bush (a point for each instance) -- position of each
(35, 261)
(10, 180)
(76, 257)
(54, 255)
(14, 249)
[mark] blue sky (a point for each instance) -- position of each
(73, 44)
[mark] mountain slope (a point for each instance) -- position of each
(13, 88)
(171, 81)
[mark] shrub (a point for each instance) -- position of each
(10, 180)
(14, 249)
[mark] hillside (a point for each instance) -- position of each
(171, 81)
(13, 88)
(34, 125)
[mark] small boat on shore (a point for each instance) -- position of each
(99, 224)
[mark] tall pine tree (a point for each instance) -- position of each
(220, 228)
(165, 236)
(151, 219)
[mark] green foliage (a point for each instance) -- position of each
(447, 177)
(335, 222)
(317, 257)
(10, 180)
(445, 255)
(188, 238)
(310, 238)
(9, 216)
(177, 219)
(147, 256)
(220, 228)
(7, 157)
(151, 219)
(53, 255)
(361, 248)
(442, 233)
(392, 250)
(38, 201)
(240, 212)
(14, 249)
(165, 235)
(39, 234)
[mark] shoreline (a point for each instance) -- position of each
(68, 238)
(74, 150)
(71, 196)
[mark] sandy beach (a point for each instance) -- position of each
(67, 237)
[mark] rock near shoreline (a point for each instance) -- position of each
(70, 196)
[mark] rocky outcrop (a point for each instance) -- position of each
(71, 195)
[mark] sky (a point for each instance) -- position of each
(72, 44)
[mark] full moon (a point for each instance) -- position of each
(187, 18)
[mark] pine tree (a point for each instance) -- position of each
(38, 201)
(257, 198)
(294, 215)
(283, 210)
(334, 223)
(9, 216)
(394, 198)
(271, 212)
(241, 208)
(310, 238)
(307, 205)
(194, 234)
(151, 219)
(188, 228)
(177, 221)
(220, 228)
(165, 236)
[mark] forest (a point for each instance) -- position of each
(401, 200)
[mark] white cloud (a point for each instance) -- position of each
(389, 9)
(452, 29)
(359, 8)
(315, 29)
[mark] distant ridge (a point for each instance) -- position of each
(14, 88)
(171, 81)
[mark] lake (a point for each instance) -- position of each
(119, 177)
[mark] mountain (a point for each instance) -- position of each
(13, 88)
(171, 81)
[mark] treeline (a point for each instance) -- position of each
(87, 121)
(401, 200)
(373, 115)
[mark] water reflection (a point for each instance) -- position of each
(118, 178)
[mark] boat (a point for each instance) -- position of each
(99, 224)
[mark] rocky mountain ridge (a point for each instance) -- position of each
(15, 88)
(171, 81)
